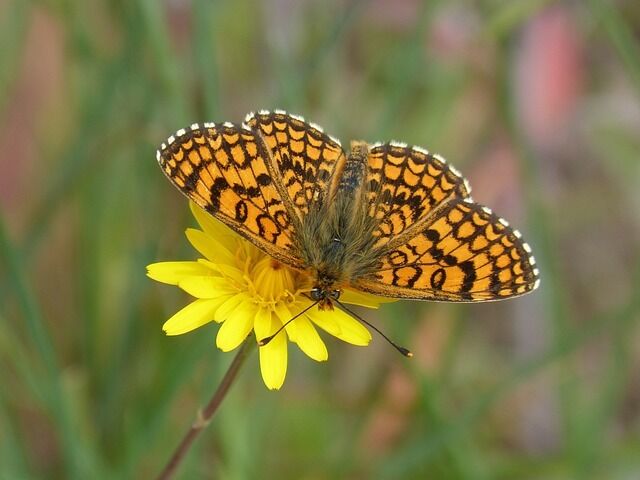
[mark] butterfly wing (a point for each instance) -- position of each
(434, 242)
(406, 186)
(225, 169)
(305, 159)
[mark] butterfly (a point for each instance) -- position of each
(384, 218)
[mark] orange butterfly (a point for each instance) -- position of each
(386, 218)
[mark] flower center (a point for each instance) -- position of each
(272, 282)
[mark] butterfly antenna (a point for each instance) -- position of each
(266, 340)
(404, 351)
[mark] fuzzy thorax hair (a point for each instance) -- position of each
(336, 236)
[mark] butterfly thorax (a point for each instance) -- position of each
(337, 241)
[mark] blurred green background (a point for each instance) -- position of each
(536, 102)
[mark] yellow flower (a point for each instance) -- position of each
(245, 290)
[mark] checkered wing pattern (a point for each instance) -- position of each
(406, 186)
(305, 159)
(225, 169)
(465, 253)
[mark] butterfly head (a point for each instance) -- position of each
(324, 296)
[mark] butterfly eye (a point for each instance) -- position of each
(334, 295)
(316, 294)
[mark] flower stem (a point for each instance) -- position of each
(204, 416)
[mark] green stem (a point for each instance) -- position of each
(203, 417)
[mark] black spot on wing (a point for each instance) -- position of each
(438, 278)
(219, 186)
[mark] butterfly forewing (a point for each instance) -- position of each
(224, 169)
(466, 253)
(406, 186)
(304, 157)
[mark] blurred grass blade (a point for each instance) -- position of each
(12, 349)
(512, 15)
(13, 29)
(75, 457)
(293, 79)
(35, 324)
(152, 414)
(204, 55)
(13, 459)
(158, 40)
(621, 36)
(420, 452)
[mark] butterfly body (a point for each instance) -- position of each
(386, 218)
(336, 241)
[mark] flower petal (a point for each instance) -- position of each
(208, 246)
(284, 315)
(232, 273)
(206, 287)
(194, 315)
(262, 323)
(351, 330)
(228, 306)
(173, 272)
(236, 327)
(273, 358)
(215, 228)
(326, 322)
(363, 299)
(307, 339)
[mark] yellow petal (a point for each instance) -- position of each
(351, 330)
(228, 306)
(307, 339)
(236, 327)
(326, 322)
(209, 247)
(363, 299)
(214, 228)
(206, 287)
(232, 273)
(226, 270)
(284, 315)
(262, 323)
(194, 315)
(250, 252)
(273, 359)
(173, 272)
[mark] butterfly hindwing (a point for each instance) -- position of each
(223, 168)
(466, 253)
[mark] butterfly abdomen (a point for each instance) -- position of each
(351, 181)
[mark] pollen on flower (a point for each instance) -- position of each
(271, 283)
(247, 291)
